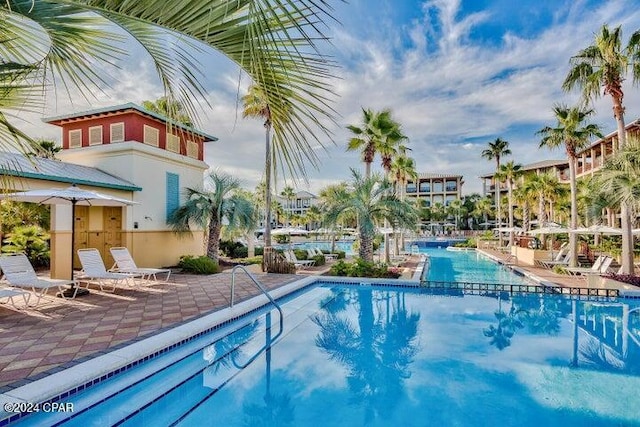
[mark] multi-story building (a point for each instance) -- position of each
(589, 161)
(433, 188)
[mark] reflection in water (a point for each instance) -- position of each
(377, 352)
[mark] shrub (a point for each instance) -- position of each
(558, 269)
(362, 268)
(282, 238)
(199, 265)
(31, 240)
(259, 251)
(625, 278)
(341, 254)
(319, 259)
(249, 261)
(240, 252)
(300, 254)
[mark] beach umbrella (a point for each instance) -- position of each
(291, 231)
(598, 229)
(67, 196)
(549, 230)
(508, 229)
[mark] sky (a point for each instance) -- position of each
(457, 74)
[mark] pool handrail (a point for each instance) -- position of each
(271, 300)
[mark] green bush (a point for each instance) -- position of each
(199, 265)
(469, 243)
(362, 268)
(319, 259)
(240, 252)
(558, 269)
(341, 254)
(31, 240)
(259, 251)
(282, 238)
(301, 254)
(249, 261)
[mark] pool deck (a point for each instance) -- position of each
(35, 343)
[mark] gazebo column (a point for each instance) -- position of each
(60, 241)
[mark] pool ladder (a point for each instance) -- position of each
(271, 300)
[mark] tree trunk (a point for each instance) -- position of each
(251, 247)
(213, 244)
(625, 217)
(573, 237)
(367, 169)
(267, 196)
(510, 196)
(618, 113)
(498, 213)
(366, 245)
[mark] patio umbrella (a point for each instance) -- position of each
(509, 229)
(549, 230)
(67, 196)
(599, 230)
(291, 231)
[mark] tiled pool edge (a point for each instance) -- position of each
(60, 385)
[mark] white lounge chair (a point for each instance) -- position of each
(10, 294)
(563, 262)
(19, 273)
(124, 263)
(595, 268)
(327, 257)
(562, 252)
(94, 271)
(300, 264)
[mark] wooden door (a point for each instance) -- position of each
(81, 229)
(112, 217)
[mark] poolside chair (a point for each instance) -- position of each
(94, 271)
(605, 267)
(562, 252)
(415, 250)
(10, 294)
(124, 263)
(300, 264)
(563, 262)
(595, 268)
(327, 257)
(19, 273)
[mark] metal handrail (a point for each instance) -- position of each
(271, 300)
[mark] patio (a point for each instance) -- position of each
(35, 343)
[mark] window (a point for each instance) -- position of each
(425, 187)
(95, 135)
(75, 138)
(192, 149)
(437, 187)
(150, 136)
(173, 193)
(173, 143)
(117, 132)
(452, 186)
(411, 188)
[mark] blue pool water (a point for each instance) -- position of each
(383, 356)
(347, 247)
(466, 266)
(355, 356)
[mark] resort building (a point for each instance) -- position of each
(433, 188)
(589, 161)
(127, 152)
(299, 205)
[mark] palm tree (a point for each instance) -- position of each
(328, 196)
(209, 209)
(370, 200)
(170, 108)
(572, 133)
(456, 207)
(45, 148)
(604, 65)
(376, 127)
(402, 169)
(524, 196)
(277, 43)
(619, 180)
(483, 208)
(509, 172)
(255, 105)
(289, 195)
(497, 149)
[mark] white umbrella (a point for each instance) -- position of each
(549, 230)
(291, 231)
(597, 229)
(385, 230)
(509, 229)
(67, 196)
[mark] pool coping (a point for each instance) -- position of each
(64, 383)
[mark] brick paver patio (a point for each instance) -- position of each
(59, 333)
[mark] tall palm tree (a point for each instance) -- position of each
(572, 133)
(376, 127)
(483, 208)
(256, 105)
(402, 169)
(525, 196)
(619, 180)
(370, 201)
(509, 172)
(496, 151)
(209, 209)
(604, 65)
(277, 43)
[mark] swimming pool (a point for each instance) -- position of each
(466, 266)
(380, 356)
(323, 245)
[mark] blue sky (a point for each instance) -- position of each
(456, 73)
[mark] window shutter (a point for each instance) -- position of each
(117, 132)
(151, 135)
(192, 149)
(173, 143)
(173, 194)
(95, 135)
(75, 138)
